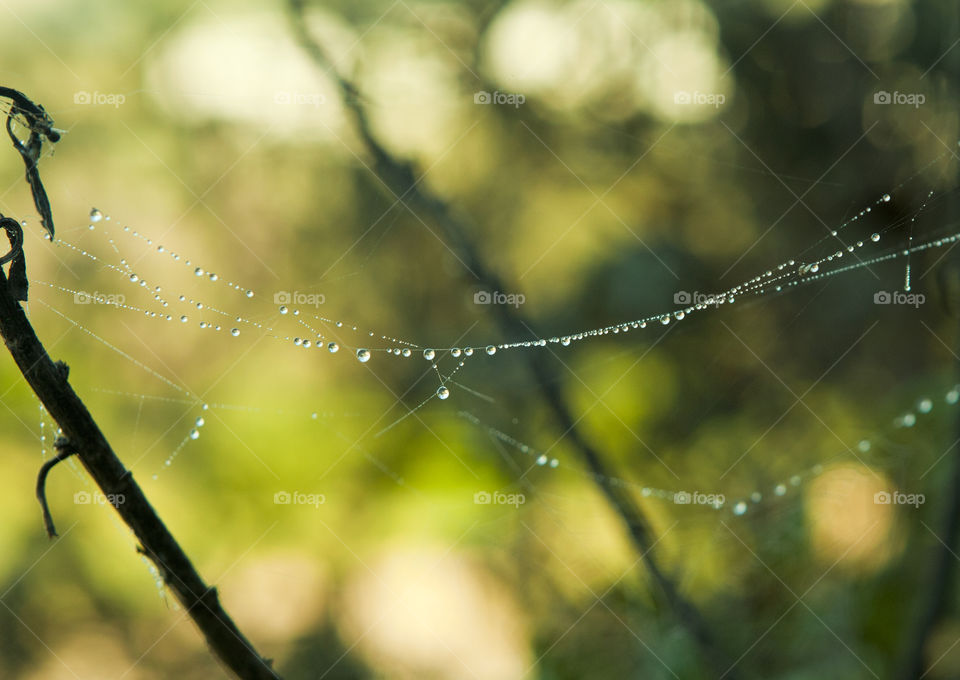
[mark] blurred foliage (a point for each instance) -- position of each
(205, 129)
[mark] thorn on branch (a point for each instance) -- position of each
(64, 450)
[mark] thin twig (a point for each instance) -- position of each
(65, 451)
(399, 177)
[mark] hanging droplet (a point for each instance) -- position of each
(363, 355)
(565, 341)
(249, 293)
(468, 352)
(739, 508)
(874, 237)
(95, 215)
(201, 422)
(491, 350)
(542, 459)
(283, 309)
(554, 463)
(429, 354)
(198, 271)
(665, 319)
(406, 352)
(443, 392)
(925, 406)
(780, 489)
(886, 198)
(234, 332)
(183, 318)
(194, 433)
(333, 347)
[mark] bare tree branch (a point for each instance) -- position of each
(83, 438)
(399, 177)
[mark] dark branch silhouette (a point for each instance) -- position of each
(399, 177)
(82, 437)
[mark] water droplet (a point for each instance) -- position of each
(953, 396)
(565, 341)
(925, 406)
(183, 318)
(443, 392)
(429, 354)
(468, 351)
(455, 352)
(363, 355)
(283, 309)
(95, 215)
(213, 277)
(198, 271)
(491, 350)
(406, 352)
(333, 347)
(554, 463)
(134, 278)
(874, 237)
(234, 332)
(756, 497)
(739, 508)
(780, 489)
(194, 433)
(201, 422)
(909, 420)
(542, 459)
(864, 445)
(886, 198)
(249, 293)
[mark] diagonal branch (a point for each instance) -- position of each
(399, 177)
(83, 438)
(49, 382)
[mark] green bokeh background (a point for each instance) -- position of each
(598, 199)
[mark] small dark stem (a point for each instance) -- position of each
(65, 452)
